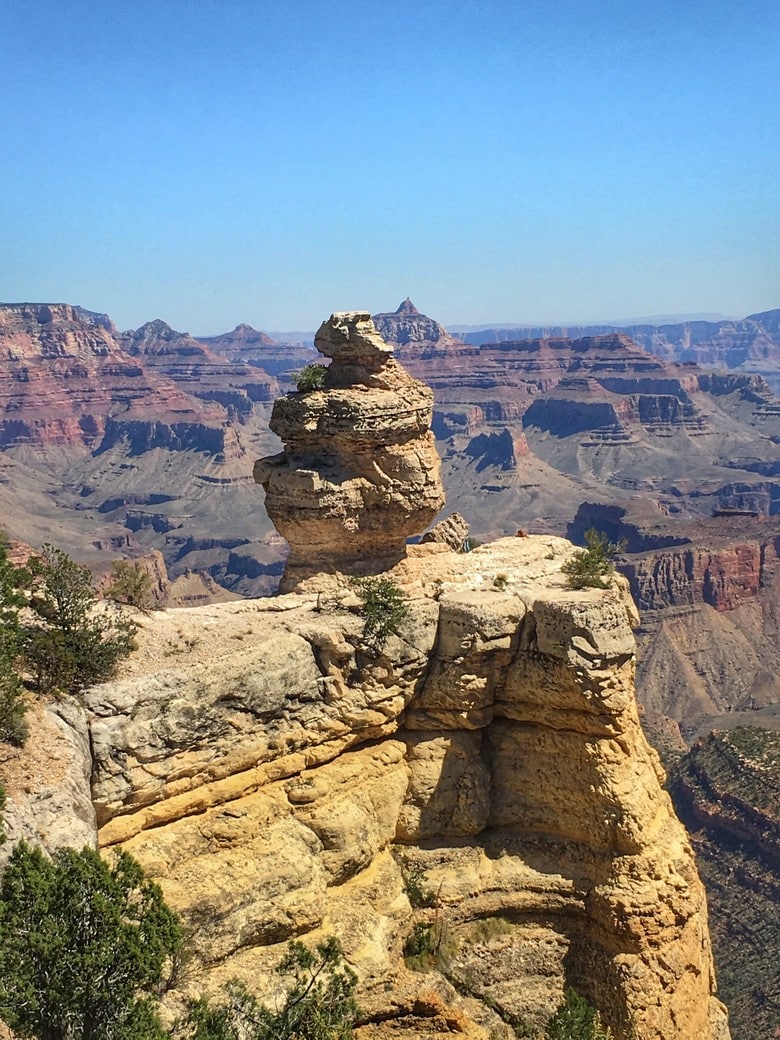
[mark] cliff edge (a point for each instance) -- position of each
(280, 779)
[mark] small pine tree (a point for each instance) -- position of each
(383, 606)
(69, 646)
(84, 947)
(320, 1004)
(589, 567)
(131, 585)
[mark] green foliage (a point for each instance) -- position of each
(83, 947)
(130, 584)
(71, 646)
(430, 945)
(312, 377)
(383, 606)
(575, 1019)
(13, 728)
(589, 567)
(320, 1004)
(2, 806)
(488, 928)
(414, 883)
(419, 947)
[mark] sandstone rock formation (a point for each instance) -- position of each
(281, 780)
(359, 473)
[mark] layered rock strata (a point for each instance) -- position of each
(725, 790)
(359, 473)
(282, 780)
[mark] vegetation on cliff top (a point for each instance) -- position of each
(592, 566)
(52, 631)
(383, 606)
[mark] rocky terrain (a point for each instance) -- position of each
(527, 430)
(258, 349)
(751, 344)
(726, 791)
(136, 442)
(406, 326)
(281, 780)
(709, 596)
(121, 443)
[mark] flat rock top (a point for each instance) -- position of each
(528, 567)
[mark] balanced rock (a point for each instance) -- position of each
(359, 473)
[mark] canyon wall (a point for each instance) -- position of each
(280, 779)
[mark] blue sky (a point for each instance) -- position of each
(215, 161)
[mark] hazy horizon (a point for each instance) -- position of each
(510, 162)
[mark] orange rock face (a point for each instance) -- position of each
(359, 473)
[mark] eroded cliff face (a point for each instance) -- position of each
(280, 781)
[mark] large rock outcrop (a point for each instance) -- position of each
(282, 780)
(359, 473)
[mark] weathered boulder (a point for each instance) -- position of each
(359, 473)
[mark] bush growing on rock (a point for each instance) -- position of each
(589, 567)
(575, 1019)
(383, 606)
(312, 377)
(84, 947)
(320, 1004)
(13, 728)
(69, 645)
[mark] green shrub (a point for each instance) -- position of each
(320, 1004)
(69, 646)
(414, 883)
(13, 702)
(589, 567)
(312, 377)
(85, 946)
(487, 928)
(130, 584)
(13, 728)
(430, 946)
(383, 606)
(575, 1019)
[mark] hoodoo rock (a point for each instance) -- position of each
(359, 473)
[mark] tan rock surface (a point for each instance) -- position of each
(280, 781)
(359, 473)
(47, 781)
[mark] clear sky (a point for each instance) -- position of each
(215, 161)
